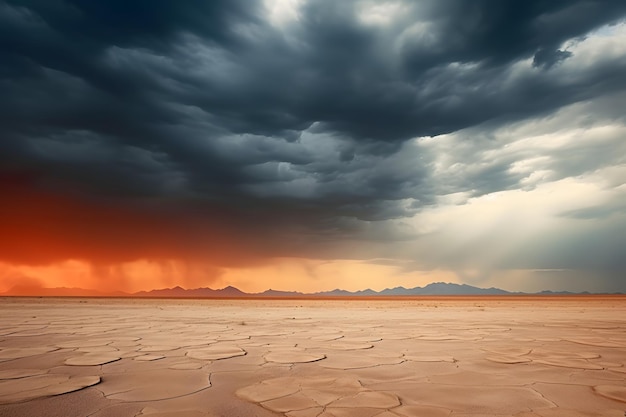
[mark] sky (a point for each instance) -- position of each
(311, 145)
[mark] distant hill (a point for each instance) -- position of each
(274, 293)
(179, 292)
(436, 288)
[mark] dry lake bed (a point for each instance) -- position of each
(431, 357)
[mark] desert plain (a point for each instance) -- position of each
(431, 357)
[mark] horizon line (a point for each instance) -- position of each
(26, 291)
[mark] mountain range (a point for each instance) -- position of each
(436, 288)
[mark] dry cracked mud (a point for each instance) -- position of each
(437, 357)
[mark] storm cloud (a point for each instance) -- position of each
(290, 128)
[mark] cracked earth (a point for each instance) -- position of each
(454, 357)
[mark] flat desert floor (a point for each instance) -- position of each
(456, 357)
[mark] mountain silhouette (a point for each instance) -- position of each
(435, 288)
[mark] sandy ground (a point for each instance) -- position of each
(432, 357)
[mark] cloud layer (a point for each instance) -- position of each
(235, 132)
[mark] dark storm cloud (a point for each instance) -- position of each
(498, 32)
(209, 101)
(548, 58)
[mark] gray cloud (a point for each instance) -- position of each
(306, 125)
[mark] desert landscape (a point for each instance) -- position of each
(432, 356)
(312, 208)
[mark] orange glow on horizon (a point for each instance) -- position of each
(64, 239)
(287, 274)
